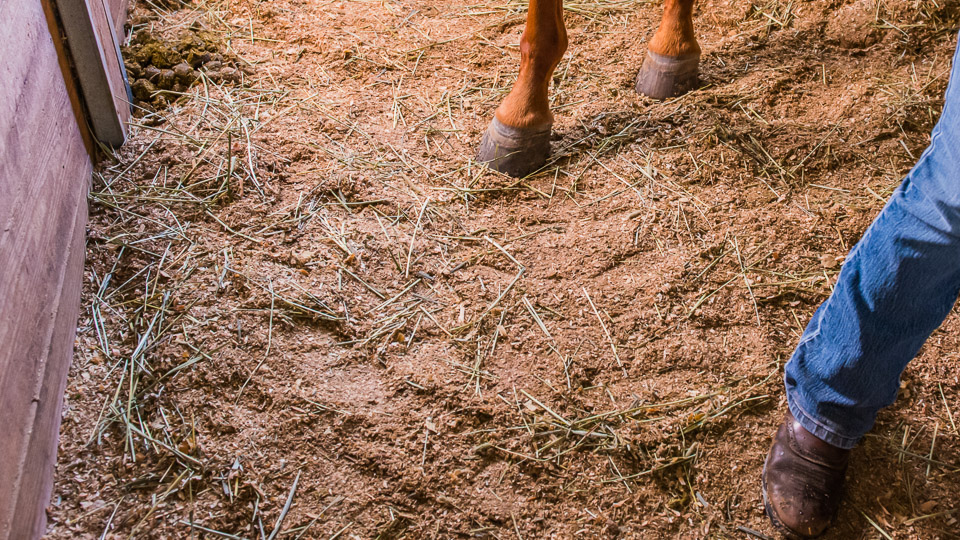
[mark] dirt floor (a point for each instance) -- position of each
(308, 313)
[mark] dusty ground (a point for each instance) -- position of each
(309, 314)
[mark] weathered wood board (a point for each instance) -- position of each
(93, 41)
(44, 178)
(117, 9)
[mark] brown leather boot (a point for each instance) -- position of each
(802, 481)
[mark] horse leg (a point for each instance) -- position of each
(673, 56)
(518, 140)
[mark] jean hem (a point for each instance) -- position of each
(818, 429)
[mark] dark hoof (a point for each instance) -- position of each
(514, 151)
(663, 77)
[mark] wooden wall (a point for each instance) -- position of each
(44, 179)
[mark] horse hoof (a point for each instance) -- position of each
(514, 151)
(663, 77)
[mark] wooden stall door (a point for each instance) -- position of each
(44, 179)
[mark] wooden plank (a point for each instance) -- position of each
(118, 14)
(36, 482)
(110, 35)
(95, 51)
(44, 178)
(63, 59)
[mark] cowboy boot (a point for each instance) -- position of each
(802, 481)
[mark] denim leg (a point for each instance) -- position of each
(896, 287)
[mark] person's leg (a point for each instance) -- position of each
(895, 288)
(897, 285)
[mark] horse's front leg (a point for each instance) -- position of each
(518, 140)
(673, 56)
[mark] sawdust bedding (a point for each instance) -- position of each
(309, 314)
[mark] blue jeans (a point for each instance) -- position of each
(896, 286)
